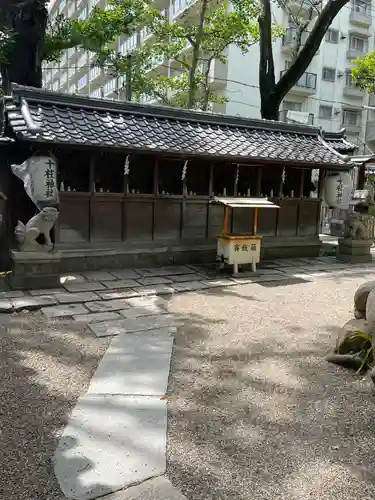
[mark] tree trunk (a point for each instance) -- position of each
(273, 93)
(28, 20)
(192, 86)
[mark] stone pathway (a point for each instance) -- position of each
(116, 435)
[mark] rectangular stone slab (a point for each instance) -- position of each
(107, 328)
(84, 287)
(164, 271)
(119, 294)
(95, 317)
(71, 298)
(134, 365)
(111, 442)
(157, 488)
(157, 280)
(107, 305)
(125, 274)
(64, 310)
(137, 312)
(99, 276)
(117, 284)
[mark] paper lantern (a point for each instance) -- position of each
(337, 189)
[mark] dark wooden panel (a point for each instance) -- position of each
(215, 220)
(308, 213)
(195, 220)
(288, 218)
(167, 219)
(106, 217)
(267, 221)
(243, 220)
(139, 219)
(74, 217)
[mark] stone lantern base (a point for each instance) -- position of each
(354, 251)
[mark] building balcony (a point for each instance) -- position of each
(288, 116)
(306, 85)
(370, 131)
(288, 41)
(354, 53)
(352, 90)
(352, 128)
(360, 18)
(302, 8)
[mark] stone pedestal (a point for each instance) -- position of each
(354, 251)
(33, 270)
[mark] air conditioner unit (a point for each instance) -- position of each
(340, 74)
(342, 36)
(336, 111)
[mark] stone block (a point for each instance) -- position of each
(155, 290)
(94, 317)
(132, 325)
(158, 488)
(218, 283)
(76, 298)
(111, 442)
(182, 278)
(138, 312)
(354, 251)
(107, 305)
(119, 294)
(157, 280)
(6, 306)
(116, 285)
(98, 276)
(90, 286)
(33, 303)
(164, 271)
(189, 286)
(66, 279)
(125, 274)
(134, 365)
(48, 291)
(147, 302)
(64, 310)
(33, 270)
(13, 294)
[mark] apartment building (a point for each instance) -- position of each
(324, 96)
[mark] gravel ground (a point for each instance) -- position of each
(256, 413)
(44, 368)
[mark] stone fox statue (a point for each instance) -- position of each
(41, 223)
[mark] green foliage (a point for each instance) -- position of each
(364, 72)
(366, 354)
(150, 75)
(6, 43)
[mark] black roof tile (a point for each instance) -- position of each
(339, 142)
(69, 119)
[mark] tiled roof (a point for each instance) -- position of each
(338, 141)
(56, 118)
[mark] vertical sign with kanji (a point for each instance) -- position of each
(39, 175)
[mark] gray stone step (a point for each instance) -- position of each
(111, 442)
(159, 488)
(132, 325)
(134, 365)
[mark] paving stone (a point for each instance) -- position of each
(189, 286)
(84, 287)
(125, 274)
(72, 278)
(32, 303)
(99, 276)
(155, 290)
(181, 278)
(137, 312)
(5, 306)
(48, 291)
(111, 442)
(115, 285)
(147, 302)
(132, 325)
(164, 271)
(120, 294)
(136, 365)
(107, 305)
(219, 282)
(64, 310)
(158, 488)
(12, 294)
(102, 316)
(71, 298)
(158, 280)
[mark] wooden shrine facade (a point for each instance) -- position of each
(134, 176)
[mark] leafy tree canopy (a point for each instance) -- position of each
(364, 72)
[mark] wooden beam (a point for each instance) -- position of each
(156, 192)
(302, 182)
(259, 182)
(91, 195)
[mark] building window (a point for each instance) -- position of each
(361, 6)
(349, 82)
(351, 117)
(329, 74)
(332, 36)
(292, 106)
(325, 112)
(359, 44)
